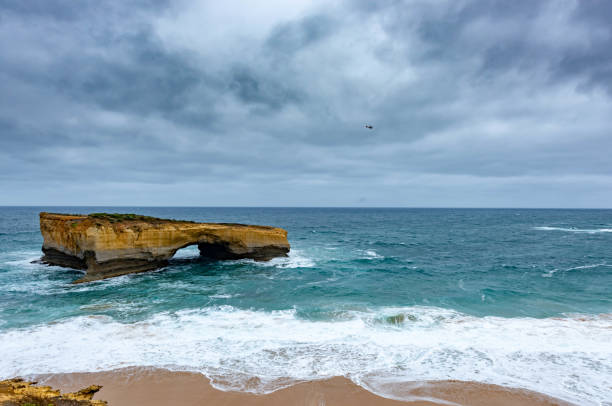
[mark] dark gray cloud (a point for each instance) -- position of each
(474, 103)
(290, 37)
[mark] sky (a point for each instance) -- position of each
(236, 103)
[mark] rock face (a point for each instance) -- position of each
(16, 391)
(108, 245)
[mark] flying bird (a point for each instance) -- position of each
(369, 127)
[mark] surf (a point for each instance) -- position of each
(567, 357)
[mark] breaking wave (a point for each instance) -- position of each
(568, 357)
(575, 230)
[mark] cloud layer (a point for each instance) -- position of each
(473, 103)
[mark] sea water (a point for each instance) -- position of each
(512, 297)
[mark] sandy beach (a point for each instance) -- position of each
(159, 387)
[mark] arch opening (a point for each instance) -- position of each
(188, 252)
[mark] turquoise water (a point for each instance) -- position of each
(515, 297)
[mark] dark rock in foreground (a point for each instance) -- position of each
(17, 392)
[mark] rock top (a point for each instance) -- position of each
(16, 391)
(108, 245)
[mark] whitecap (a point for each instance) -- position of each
(549, 274)
(588, 266)
(370, 254)
(30, 261)
(295, 259)
(575, 230)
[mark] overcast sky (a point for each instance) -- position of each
(240, 103)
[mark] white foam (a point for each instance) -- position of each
(370, 254)
(568, 357)
(373, 254)
(295, 259)
(587, 266)
(575, 230)
(187, 252)
(27, 262)
(549, 274)
(27, 275)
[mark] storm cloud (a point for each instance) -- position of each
(473, 103)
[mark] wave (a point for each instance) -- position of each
(187, 253)
(567, 357)
(549, 274)
(221, 296)
(295, 259)
(575, 230)
(23, 273)
(369, 254)
(31, 276)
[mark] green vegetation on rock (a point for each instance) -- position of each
(118, 217)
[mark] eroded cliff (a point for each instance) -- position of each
(108, 245)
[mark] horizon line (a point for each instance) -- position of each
(328, 207)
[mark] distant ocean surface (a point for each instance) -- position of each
(520, 298)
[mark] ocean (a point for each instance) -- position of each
(514, 297)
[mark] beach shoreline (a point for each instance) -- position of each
(157, 387)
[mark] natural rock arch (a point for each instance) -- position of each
(108, 245)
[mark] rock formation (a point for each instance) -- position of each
(18, 392)
(108, 245)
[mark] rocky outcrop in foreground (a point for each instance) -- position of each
(17, 392)
(108, 245)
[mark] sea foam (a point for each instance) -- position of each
(549, 274)
(568, 357)
(575, 230)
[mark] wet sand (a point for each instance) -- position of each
(159, 387)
